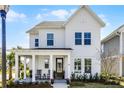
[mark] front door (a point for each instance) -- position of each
(59, 68)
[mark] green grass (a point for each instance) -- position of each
(93, 85)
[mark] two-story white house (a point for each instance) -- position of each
(59, 48)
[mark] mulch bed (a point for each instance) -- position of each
(30, 85)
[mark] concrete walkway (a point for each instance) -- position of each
(60, 84)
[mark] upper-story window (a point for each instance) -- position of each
(50, 39)
(87, 38)
(36, 42)
(78, 38)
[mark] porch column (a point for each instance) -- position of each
(33, 68)
(16, 67)
(68, 67)
(51, 66)
(121, 52)
(24, 67)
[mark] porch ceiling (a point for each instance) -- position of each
(44, 51)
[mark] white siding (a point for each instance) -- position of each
(84, 22)
(59, 38)
(65, 38)
(32, 40)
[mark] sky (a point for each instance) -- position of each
(21, 18)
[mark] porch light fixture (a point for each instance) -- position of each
(3, 11)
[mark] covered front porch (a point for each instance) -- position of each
(43, 64)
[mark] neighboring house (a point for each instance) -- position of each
(113, 46)
(59, 48)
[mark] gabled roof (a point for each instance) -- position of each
(61, 24)
(113, 34)
(91, 12)
(48, 24)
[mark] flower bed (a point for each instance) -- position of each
(78, 84)
(11, 84)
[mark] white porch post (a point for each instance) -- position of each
(24, 67)
(16, 67)
(121, 50)
(51, 66)
(68, 66)
(33, 68)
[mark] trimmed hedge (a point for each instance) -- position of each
(11, 84)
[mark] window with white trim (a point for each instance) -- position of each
(87, 65)
(87, 38)
(46, 61)
(78, 38)
(50, 39)
(36, 42)
(77, 65)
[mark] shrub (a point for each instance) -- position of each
(96, 77)
(111, 82)
(85, 78)
(73, 77)
(91, 77)
(10, 83)
(31, 85)
(77, 84)
(67, 81)
(52, 81)
(22, 75)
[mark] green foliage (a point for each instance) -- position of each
(77, 84)
(85, 77)
(96, 77)
(10, 83)
(91, 77)
(11, 57)
(22, 75)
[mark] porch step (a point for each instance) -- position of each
(60, 81)
(60, 84)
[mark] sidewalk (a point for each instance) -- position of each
(60, 84)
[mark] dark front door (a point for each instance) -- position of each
(59, 68)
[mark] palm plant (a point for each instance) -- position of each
(11, 60)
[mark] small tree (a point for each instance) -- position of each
(11, 59)
(109, 63)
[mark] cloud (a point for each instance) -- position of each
(103, 17)
(41, 16)
(14, 16)
(44, 9)
(61, 13)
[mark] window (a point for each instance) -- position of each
(87, 38)
(46, 63)
(78, 38)
(50, 38)
(87, 65)
(77, 65)
(36, 42)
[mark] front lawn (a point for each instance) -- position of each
(92, 85)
